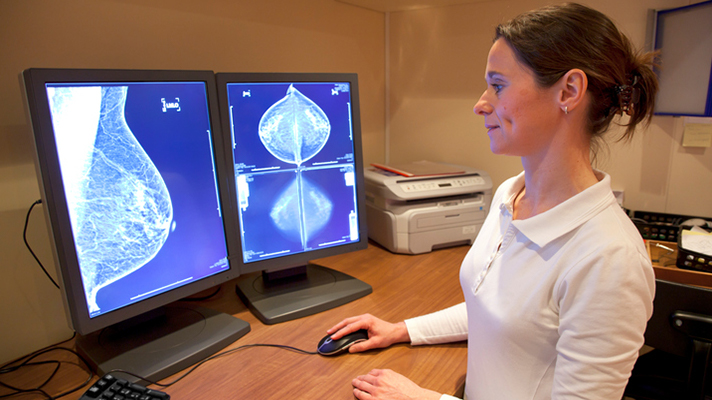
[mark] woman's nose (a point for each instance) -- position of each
(482, 106)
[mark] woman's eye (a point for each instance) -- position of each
(497, 88)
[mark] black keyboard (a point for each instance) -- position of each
(111, 388)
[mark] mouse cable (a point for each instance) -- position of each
(213, 357)
(24, 237)
(28, 361)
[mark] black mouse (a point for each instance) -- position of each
(329, 347)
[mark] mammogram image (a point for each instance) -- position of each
(119, 205)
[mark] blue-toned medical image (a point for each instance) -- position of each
(337, 183)
(327, 218)
(122, 210)
(301, 210)
(294, 129)
(261, 238)
(294, 166)
(137, 168)
(249, 102)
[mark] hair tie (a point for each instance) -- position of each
(628, 95)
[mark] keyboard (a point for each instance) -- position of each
(109, 387)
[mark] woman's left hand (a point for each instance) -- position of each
(384, 384)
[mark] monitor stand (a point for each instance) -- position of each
(157, 345)
(298, 292)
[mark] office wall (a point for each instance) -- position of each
(218, 35)
(437, 59)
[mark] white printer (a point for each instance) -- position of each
(416, 214)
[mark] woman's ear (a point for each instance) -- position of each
(573, 86)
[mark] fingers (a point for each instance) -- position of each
(360, 383)
(339, 326)
(362, 395)
(375, 341)
(349, 325)
(364, 385)
(361, 346)
(381, 334)
(370, 386)
(385, 384)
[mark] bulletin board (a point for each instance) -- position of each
(684, 38)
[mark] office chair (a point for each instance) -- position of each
(680, 331)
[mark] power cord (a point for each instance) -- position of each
(24, 237)
(213, 357)
(29, 361)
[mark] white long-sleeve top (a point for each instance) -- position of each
(555, 305)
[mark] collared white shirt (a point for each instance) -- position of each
(555, 305)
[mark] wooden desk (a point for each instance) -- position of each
(404, 286)
(664, 265)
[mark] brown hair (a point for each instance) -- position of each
(555, 39)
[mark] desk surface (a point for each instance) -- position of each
(404, 286)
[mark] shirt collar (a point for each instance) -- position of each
(565, 217)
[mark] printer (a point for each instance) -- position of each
(416, 214)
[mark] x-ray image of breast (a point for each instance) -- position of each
(295, 128)
(121, 210)
(301, 211)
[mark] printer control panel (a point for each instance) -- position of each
(443, 183)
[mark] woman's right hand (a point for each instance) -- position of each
(381, 334)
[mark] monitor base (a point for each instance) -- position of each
(318, 290)
(160, 346)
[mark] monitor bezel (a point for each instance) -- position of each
(303, 258)
(55, 205)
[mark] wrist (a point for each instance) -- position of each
(402, 332)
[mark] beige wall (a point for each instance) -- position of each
(437, 59)
(218, 35)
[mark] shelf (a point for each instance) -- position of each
(664, 266)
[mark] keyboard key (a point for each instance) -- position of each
(110, 388)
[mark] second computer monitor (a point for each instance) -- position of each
(296, 149)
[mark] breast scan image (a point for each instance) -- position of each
(295, 129)
(119, 205)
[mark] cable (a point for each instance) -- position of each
(28, 362)
(216, 356)
(24, 237)
(7, 368)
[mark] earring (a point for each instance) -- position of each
(566, 110)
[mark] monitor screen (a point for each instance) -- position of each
(133, 178)
(683, 39)
(296, 147)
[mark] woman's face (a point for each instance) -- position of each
(519, 114)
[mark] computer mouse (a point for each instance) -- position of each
(329, 347)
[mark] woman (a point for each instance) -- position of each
(558, 285)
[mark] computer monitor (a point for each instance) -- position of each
(133, 178)
(296, 143)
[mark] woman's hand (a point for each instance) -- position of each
(384, 384)
(381, 334)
